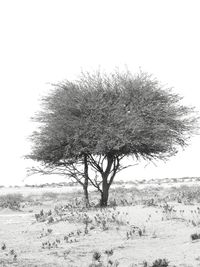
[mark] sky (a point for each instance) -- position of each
(47, 41)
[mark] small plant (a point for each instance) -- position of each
(168, 211)
(40, 217)
(110, 217)
(66, 253)
(109, 252)
(50, 220)
(49, 231)
(195, 236)
(97, 262)
(144, 264)
(49, 245)
(96, 256)
(15, 257)
(135, 230)
(11, 201)
(3, 247)
(12, 252)
(160, 263)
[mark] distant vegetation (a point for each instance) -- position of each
(11, 201)
(121, 182)
(61, 184)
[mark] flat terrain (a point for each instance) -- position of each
(138, 227)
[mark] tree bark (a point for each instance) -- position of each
(105, 184)
(86, 195)
(105, 192)
(85, 186)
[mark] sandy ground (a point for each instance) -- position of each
(163, 238)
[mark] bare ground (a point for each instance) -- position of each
(165, 235)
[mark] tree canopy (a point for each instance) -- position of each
(101, 118)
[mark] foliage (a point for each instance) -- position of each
(133, 115)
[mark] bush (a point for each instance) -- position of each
(195, 236)
(160, 263)
(11, 201)
(97, 259)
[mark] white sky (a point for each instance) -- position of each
(44, 41)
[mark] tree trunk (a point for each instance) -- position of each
(86, 195)
(104, 193)
(105, 183)
(85, 186)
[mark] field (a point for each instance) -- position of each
(154, 226)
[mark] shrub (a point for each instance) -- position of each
(97, 262)
(195, 236)
(160, 263)
(11, 201)
(96, 256)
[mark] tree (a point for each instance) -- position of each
(89, 125)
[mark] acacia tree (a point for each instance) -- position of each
(92, 123)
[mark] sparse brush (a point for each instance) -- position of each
(3, 247)
(98, 263)
(134, 230)
(195, 236)
(45, 233)
(110, 217)
(49, 245)
(49, 231)
(12, 252)
(160, 263)
(50, 220)
(96, 256)
(144, 264)
(11, 201)
(15, 257)
(109, 252)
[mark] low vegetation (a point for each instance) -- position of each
(62, 230)
(11, 201)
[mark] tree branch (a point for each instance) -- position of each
(114, 171)
(94, 164)
(49, 170)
